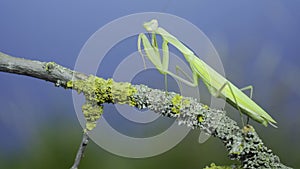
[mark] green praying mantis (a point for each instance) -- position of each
(217, 85)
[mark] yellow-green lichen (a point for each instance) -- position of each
(179, 102)
(92, 113)
(122, 92)
(204, 106)
(186, 102)
(98, 91)
(237, 149)
(200, 118)
(214, 166)
(248, 129)
(176, 102)
(49, 66)
(69, 84)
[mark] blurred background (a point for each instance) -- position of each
(258, 43)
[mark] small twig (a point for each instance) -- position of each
(80, 152)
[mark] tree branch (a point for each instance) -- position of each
(48, 71)
(242, 144)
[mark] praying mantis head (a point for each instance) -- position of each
(151, 25)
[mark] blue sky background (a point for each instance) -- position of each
(258, 43)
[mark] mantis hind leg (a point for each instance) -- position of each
(250, 87)
(235, 100)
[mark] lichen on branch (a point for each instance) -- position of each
(98, 91)
(242, 144)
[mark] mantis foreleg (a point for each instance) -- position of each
(152, 52)
(165, 61)
(140, 49)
